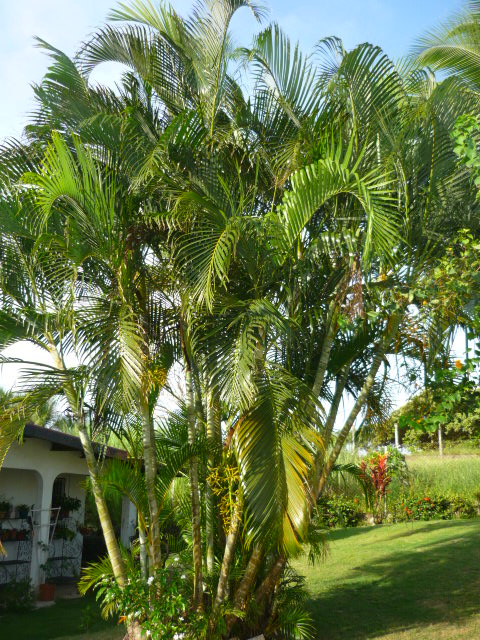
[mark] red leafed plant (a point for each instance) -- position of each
(375, 474)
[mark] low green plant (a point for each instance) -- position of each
(89, 617)
(16, 596)
(292, 619)
(336, 511)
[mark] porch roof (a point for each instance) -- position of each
(66, 442)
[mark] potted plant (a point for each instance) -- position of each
(46, 589)
(5, 509)
(22, 534)
(85, 530)
(63, 533)
(22, 511)
(68, 504)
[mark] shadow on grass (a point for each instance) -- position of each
(410, 528)
(437, 581)
(65, 618)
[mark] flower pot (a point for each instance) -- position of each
(46, 592)
(3, 515)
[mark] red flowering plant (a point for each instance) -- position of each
(375, 474)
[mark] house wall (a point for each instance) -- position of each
(20, 486)
(37, 455)
(27, 477)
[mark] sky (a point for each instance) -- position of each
(392, 24)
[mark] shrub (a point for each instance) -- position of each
(462, 508)
(159, 605)
(336, 511)
(431, 508)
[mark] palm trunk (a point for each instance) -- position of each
(249, 575)
(150, 461)
(246, 583)
(321, 373)
(269, 583)
(111, 542)
(337, 396)
(330, 422)
(228, 555)
(194, 486)
(359, 403)
(326, 349)
(143, 549)
(210, 524)
(134, 632)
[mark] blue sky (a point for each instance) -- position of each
(393, 24)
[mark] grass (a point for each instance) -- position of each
(398, 582)
(111, 634)
(448, 475)
(77, 619)
(459, 447)
(415, 581)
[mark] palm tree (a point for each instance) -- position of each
(454, 45)
(36, 306)
(274, 240)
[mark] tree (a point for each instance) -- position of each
(454, 45)
(274, 241)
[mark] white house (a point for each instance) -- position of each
(48, 464)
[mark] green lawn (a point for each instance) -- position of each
(77, 619)
(398, 582)
(406, 581)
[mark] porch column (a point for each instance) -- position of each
(41, 531)
(129, 521)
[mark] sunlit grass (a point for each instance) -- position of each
(398, 582)
(449, 475)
